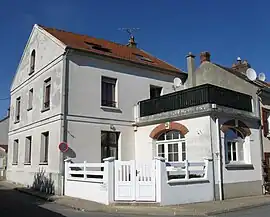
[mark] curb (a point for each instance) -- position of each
(237, 209)
(112, 209)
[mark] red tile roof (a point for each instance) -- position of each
(109, 49)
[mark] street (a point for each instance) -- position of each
(13, 203)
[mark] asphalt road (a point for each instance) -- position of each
(263, 211)
(13, 203)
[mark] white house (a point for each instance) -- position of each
(110, 100)
(81, 90)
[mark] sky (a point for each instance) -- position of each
(168, 29)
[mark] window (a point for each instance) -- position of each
(18, 109)
(109, 144)
(15, 151)
(47, 94)
(155, 91)
(30, 99)
(234, 146)
(32, 62)
(44, 148)
(172, 146)
(28, 149)
(108, 96)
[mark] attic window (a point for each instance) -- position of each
(97, 47)
(140, 57)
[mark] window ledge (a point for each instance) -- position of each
(14, 164)
(29, 109)
(43, 163)
(239, 166)
(111, 109)
(45, 109)
(27, 164)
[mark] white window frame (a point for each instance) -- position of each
(46, 104)
(235, 142)
(28, 150)
(15, 157)
(180, 142)
(44, 147)
(30, 99)
(104, 96)
(18, 109)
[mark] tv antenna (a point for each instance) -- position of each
(130, 31)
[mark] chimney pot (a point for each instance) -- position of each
(205, 56)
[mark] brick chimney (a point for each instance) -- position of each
(131, 42)
(205, 56)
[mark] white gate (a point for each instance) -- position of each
(135, 181)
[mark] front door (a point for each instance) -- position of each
(109, 144)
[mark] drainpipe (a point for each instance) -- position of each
(212, 156)
(64, 112)
(219, 157)
(261, 137)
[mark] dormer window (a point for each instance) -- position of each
(32, 62)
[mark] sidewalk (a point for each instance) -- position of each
(197, 209)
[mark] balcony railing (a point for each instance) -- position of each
(199, 95)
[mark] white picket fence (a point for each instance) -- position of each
(154, 181)
(90, 172)
(90, 181)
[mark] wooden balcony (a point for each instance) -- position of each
(195, 96)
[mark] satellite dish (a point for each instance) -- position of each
(262, 76)
(177, 82)
(251, 74)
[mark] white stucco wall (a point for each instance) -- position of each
(198, 140)
(49, 64)
(87, 118)
(252, 153)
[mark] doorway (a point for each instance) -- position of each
(109, 144)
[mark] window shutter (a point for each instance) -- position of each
(265, 122)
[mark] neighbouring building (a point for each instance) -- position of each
(106, 99)
(218, 116)
(4, 126)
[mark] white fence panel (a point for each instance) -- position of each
(90, 181)
(135, 181)
(125, 180)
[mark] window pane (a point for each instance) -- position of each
(175, 134)
(175, 157)
(161, 148)
(175, 147)
(183, 151)
(161, 137)
(169, 135)
(170, 147)
(229, 144)
(240, 151)
(172, 157)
